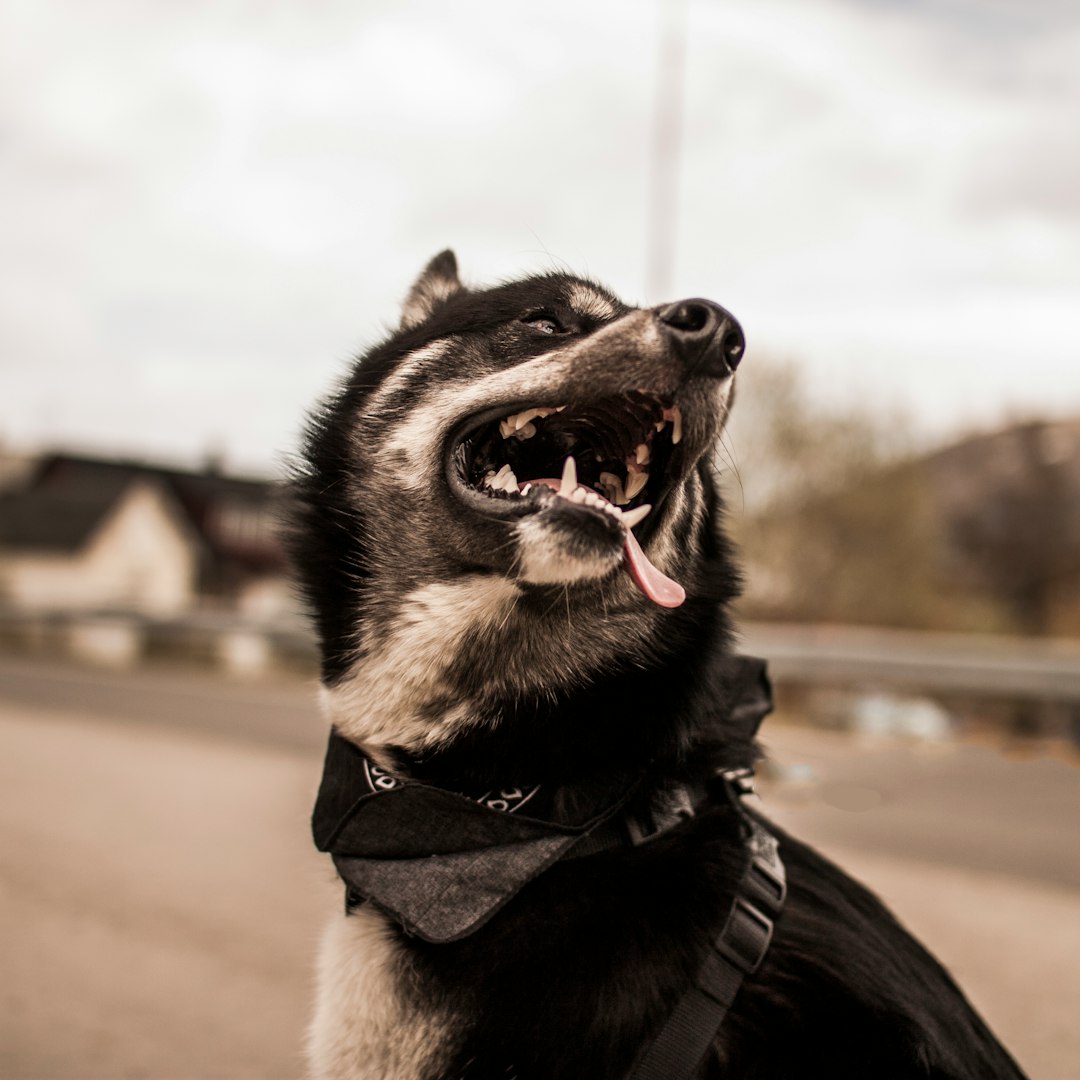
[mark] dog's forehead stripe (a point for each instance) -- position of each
(590, 302)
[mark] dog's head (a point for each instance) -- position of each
(511, 501)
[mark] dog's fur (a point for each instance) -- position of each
(473, 638)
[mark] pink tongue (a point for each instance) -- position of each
(658, 587)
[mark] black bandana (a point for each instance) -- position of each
(442, 863)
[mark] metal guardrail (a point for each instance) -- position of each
(983, 665)
(980, 665)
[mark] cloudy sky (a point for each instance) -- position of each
(205, 208)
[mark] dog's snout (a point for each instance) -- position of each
(708, 337)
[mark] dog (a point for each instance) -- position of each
(509, 529)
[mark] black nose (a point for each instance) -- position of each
(707, 337)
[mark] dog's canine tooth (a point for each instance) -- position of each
(643, 454)
(635, 482)
(674, 414)
(524, 417)
(569, 477)
(630, 518)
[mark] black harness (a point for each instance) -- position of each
(737, 951)
(442, 863)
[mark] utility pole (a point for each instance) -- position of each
(666, 149)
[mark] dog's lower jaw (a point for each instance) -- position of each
(363, 1027)
(548, 556)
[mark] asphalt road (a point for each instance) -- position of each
(160, 898)
(956, 804)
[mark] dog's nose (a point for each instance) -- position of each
(708, 338)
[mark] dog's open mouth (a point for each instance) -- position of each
(609, 457)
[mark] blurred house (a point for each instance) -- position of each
(88, 534)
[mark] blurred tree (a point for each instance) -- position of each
(839, 520)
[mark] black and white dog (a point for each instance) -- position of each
(508, 528)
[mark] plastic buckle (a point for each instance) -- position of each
(766, 881)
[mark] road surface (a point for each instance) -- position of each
(160, 898)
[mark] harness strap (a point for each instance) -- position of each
(686, 1037)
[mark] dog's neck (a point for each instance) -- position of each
(670, 723)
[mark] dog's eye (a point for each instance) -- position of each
(544, 324)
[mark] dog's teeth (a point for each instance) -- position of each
(642, 454)
(520, 424)
(529, 415)
(615, 486)
(674, 415)
(505, 480)
(569, 477)
(635, 481)
(659, 425)
(630, 518)
(489, 478)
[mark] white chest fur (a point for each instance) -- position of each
(379, 703)
(363, 1027)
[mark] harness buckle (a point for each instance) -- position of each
(746, 936)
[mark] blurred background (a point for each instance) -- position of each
(207, 209)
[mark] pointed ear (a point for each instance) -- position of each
(437, 283)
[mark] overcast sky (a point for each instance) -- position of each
(206, 208)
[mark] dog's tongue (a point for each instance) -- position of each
(657, 586)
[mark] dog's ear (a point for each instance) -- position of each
(437, 283)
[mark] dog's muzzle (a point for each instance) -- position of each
(604, 465)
